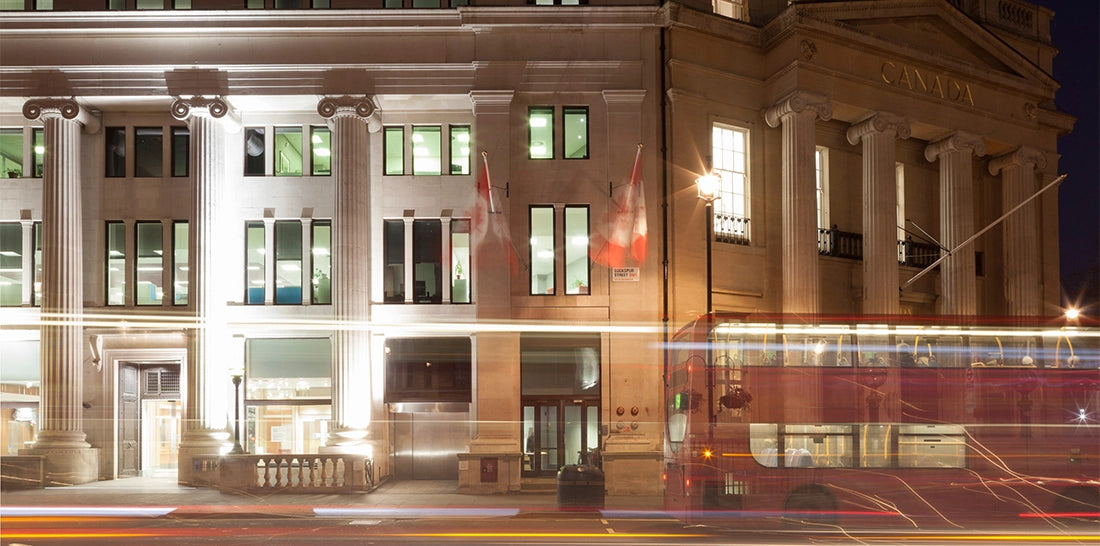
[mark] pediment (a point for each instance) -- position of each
(931, 29)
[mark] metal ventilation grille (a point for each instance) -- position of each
(161, 383)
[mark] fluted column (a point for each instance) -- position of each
(209, 387)
(350, 118)
(958, 293)
(1022, 279)
(880, 199)
(61, 436)
(796, 113)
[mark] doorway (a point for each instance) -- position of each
(149, 419)
(558, 433)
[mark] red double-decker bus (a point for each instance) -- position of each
(882, 419)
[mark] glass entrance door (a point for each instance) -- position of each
(558, 433)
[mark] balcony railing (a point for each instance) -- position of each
(731, 229)
(840, 244)
(914, 254)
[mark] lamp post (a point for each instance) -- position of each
(237, 449)
(708, 185)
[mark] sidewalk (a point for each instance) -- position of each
(394, 498)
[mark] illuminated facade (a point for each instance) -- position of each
(291, 197)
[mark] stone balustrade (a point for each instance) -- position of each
(296, 473)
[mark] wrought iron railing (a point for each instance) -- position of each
(840, 244)
(914, 254)
(731, 229)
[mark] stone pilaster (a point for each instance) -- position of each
(1023, 283)
(209, 387)
(880, 248)
(61, 438)
(797, 113)
(350, 118)
(959, 293)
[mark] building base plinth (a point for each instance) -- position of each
(199, 455)
(491, 466)
(67, 465)
(632, 466)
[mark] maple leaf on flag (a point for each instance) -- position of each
(629, 232)
(489, 227)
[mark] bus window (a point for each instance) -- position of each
(818, 446)
(874, 446)
(931, 446)
(763, 439)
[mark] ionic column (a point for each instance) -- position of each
(797, 113)
(1022, 282)
(350, 118)
(69, 459)
(209, 387)
(880, 247)
(958, 293)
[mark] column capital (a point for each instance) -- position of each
(798, 101)
(63, 108)
(361, 107)
(879, 122)
(1020, 157)
(212, 107)
(957, 141)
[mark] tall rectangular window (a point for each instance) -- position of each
(115, 160)
(149, 273)
(148, 152)
(575, 130)
(426, 149)
(255, 151)
(576, 250)
(39, 138)
(821, 176)
(321, 250)
(393, 257)
(288, 151)
(427, 261)
(393, 149)
(460, 149)
(460, 261)
(256, 260)
(320, 142)
(11, 264)
(899, 181)
(730, 154)
(540, 132)
(542, 250)
(36, 294)
(11, 152)
(180, 262)
(288, 262)
(116, 263)
(181, 151)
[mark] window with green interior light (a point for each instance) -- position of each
(256, 263)
(542, 250)
(576, 250)
(540, 132)
(575, 132)
(393, 150)
(426, 150)
(116, 263)
(288, 151)
(321, 252)
(288, 262)
(320, 140)
(11, 152)
(149, 270)
(11, 264)
(460, 149)
(180, 259)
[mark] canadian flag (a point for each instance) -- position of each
(491, 235)
(629, 232)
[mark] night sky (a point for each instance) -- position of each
(1075, 32)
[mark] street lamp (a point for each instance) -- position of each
(237, 449)
(708, 186)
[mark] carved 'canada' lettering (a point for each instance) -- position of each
(928, 83)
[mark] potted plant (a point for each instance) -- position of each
(14, 173)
